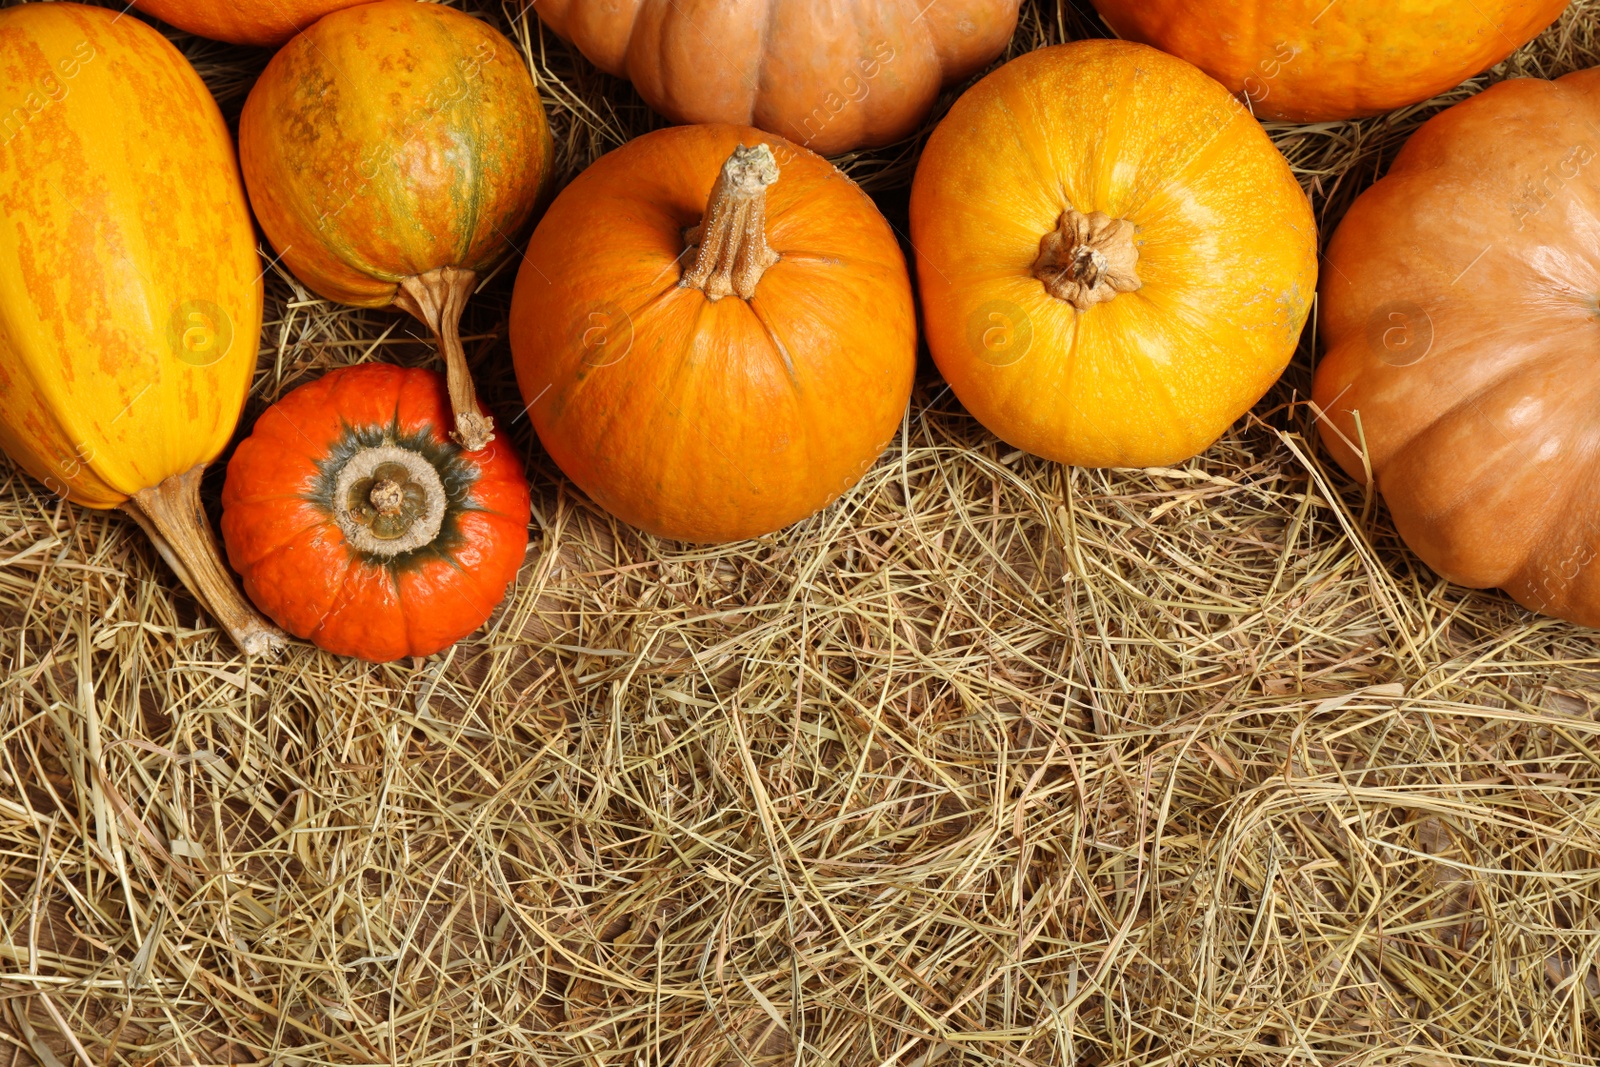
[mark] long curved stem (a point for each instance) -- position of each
(437, 299)
(171, 515)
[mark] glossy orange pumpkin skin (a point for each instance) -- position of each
(1315, 61)
(707, 420)
(287, 524)
(1218, 232)
(1458, 319)
(390, 140)
(254, 22)
(830, 75)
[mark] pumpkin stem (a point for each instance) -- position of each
(389, 501)
(437, 299)
(171, 515)
(1089, 259)
(732, 237)
(387, 497)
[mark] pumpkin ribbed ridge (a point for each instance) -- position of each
(828, 76)
(1458, 322)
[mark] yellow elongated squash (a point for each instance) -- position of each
(130, 285)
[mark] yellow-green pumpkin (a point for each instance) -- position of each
(393, 152)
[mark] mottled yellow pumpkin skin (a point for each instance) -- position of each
(130, 284)
(390, 140)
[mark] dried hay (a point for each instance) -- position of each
(994, 762)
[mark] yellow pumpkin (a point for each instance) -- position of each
(1115, 261)
(130, 286)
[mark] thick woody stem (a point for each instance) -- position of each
(732, 238)
(171, 515)
(1089, 259)
(437, 299)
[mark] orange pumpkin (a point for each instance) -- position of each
(829, 76)
(393, 151)
(130, 287)
(1115, 262)
(1315, 61)
(257, 22)
(1458, 320)
(714, 332)
(356, 523)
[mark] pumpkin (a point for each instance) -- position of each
(358, 524)
(256, 22)
(130, 286)
(1316, 61)
(714, 332)
(392, 152)
(1458, 316)
(1115, 262)
(831, 77)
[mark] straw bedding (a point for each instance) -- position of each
(994, 762)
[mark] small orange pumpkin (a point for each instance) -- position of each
(1316, 60)
(1115, 261)
(255, 22)
(1458, 322)
(830, 76)
(356, 523)
(714, 332)
(393, 153)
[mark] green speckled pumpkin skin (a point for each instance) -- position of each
(390, 140)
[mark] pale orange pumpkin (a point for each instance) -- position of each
(257, 22)
(827, 74)
(714, 332)
(1115, 261)
(1458, 319)
(1316, 60)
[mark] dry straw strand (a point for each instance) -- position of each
(992, 763)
